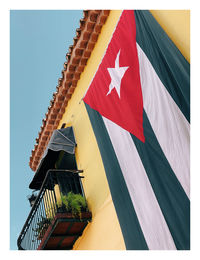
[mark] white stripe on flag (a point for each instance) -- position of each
(152, 222)
(169, 124)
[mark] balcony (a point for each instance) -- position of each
(52, 224)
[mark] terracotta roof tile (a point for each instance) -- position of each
(76, 60)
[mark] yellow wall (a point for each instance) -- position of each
(176, 24)
(100, 234)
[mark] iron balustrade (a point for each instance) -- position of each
(46, 207)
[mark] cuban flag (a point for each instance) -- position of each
(139, 106)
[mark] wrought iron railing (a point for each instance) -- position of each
(46, 207)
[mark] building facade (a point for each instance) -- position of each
(67, 109)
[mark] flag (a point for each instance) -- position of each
(139, 107)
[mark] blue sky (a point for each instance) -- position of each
(39, 41)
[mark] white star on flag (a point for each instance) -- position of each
(116, 75)
(115, 91)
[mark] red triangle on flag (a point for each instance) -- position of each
(115, 91)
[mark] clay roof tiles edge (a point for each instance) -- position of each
(76, 60)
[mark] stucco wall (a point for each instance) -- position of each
(100, 233)
(176, 24)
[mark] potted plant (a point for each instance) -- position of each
(73, 203)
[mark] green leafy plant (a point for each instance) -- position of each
(74, 203)
(42, 227)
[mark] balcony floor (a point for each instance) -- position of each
(64, 231)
